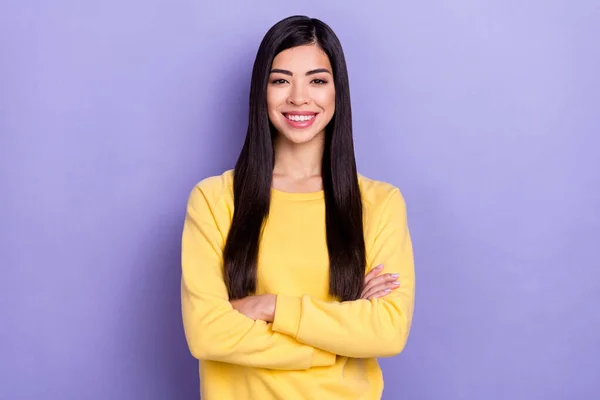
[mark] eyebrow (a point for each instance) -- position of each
(311, 72)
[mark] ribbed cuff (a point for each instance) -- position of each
(322, 358)
(287, 315)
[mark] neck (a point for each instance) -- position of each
(298, 161)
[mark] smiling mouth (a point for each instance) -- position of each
(300, 117)
(300, 120)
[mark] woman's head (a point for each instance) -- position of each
(299, 85)
(292, 74)
(301, 94)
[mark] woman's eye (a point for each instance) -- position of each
(319, 81)
(279, 81)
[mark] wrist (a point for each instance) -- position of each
(269, 307)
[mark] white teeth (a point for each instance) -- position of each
(300, 118)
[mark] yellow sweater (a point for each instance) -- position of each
(316, 347)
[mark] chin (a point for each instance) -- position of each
(300, 137)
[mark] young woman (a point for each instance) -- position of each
(297, 271)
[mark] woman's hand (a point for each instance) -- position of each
(261, 307)
(378, 286)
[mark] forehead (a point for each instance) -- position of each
(302, 58)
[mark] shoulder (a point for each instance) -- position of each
(383, 206)
(379, 195)
(213, 190)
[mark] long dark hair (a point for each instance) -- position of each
(253, 171)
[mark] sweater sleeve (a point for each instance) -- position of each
(361, 328)
(213, 329)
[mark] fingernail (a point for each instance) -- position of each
(387, 290)
(379, 266)
(396, 283)
(394, 275)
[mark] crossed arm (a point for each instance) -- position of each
(213, 329)
(305, 332)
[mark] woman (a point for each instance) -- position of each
(297, 270)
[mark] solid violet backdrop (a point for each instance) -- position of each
(485, 114)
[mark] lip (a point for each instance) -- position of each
(300, 124)
(300, 113)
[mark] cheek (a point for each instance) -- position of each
(274, 101)
(270, 101)
(326, 100)
(276, 96)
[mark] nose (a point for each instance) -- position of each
(298, 95)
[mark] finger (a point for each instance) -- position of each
(380, 280)
(368, 294)
(383, 290)
(370, 289)
(380, 288)
(379, 294)
(373, 273)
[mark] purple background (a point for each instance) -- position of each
(486, 114)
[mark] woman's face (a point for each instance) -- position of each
(301, 93)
